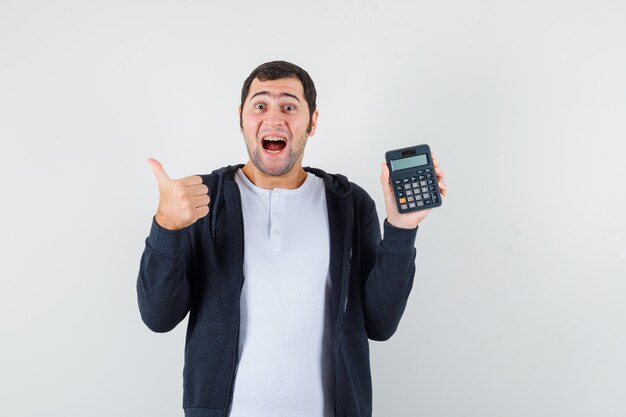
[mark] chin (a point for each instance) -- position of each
(272, 169)
(276, 172)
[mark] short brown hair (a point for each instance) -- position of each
(276, 70)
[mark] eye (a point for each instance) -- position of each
(259, 106)
(289, 107)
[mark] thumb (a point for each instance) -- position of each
(384, 180)
(159, 172)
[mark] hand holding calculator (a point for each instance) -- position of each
(413, 178)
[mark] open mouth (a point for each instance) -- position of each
(274, 144)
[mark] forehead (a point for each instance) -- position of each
(291, 85)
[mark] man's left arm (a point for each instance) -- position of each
(392, 260)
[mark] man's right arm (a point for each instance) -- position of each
(165, 273)
(163, 284)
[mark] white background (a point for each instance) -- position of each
(518, 307)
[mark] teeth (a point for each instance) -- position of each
(274, 139)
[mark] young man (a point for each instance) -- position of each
(281, 269)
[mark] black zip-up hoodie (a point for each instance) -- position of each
(199, 270)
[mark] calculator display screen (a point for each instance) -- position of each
(410, 162)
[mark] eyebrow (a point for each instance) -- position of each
(266, 93)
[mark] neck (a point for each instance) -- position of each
(292, 179)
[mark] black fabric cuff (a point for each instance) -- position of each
(168, 242)
(398, 240)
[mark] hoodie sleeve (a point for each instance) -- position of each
(390, 267)
(163, 292)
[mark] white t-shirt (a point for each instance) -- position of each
(285, 342)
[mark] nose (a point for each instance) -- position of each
(274, 117)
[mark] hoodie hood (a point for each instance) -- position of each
(217, 179)
(336, 183)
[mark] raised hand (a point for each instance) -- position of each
(181, 202)
(411, 219)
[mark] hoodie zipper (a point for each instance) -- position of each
(345, 304)
(236, 354)
(345, 292)
(241, 282)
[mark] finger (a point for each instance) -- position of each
(435, 160)
(200, 200)
(191, 180)
(159, 172)
(201, 212)
(443, 188)
(199, 189)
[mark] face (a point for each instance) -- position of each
(275, 118)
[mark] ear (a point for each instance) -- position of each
(240, 120)
(313, 122)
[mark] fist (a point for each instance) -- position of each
(181, 202)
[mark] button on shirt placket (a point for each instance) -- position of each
(277, 206)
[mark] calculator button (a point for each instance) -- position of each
(409, 192)
(404, 207)
(411, 205)
(429, 175)
(428, 170)
(418, 197)
(409, 199)
(420, 172)
(421, 177)
(415, 185)
(426, 201)
(398, 182)
(430, 182)
(400, 194)
(435, 198)
(432, 188)
(413, 179)
(422, 183)
(407, 186)
(402, 200)
(399, 187)
(405, 180)
(420, 204)
(426, 195)
(424, 189)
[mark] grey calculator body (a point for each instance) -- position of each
(413, 178)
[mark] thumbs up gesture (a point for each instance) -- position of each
(181, 201)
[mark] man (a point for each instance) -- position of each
(281, 268)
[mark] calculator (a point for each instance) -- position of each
(413, 178)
